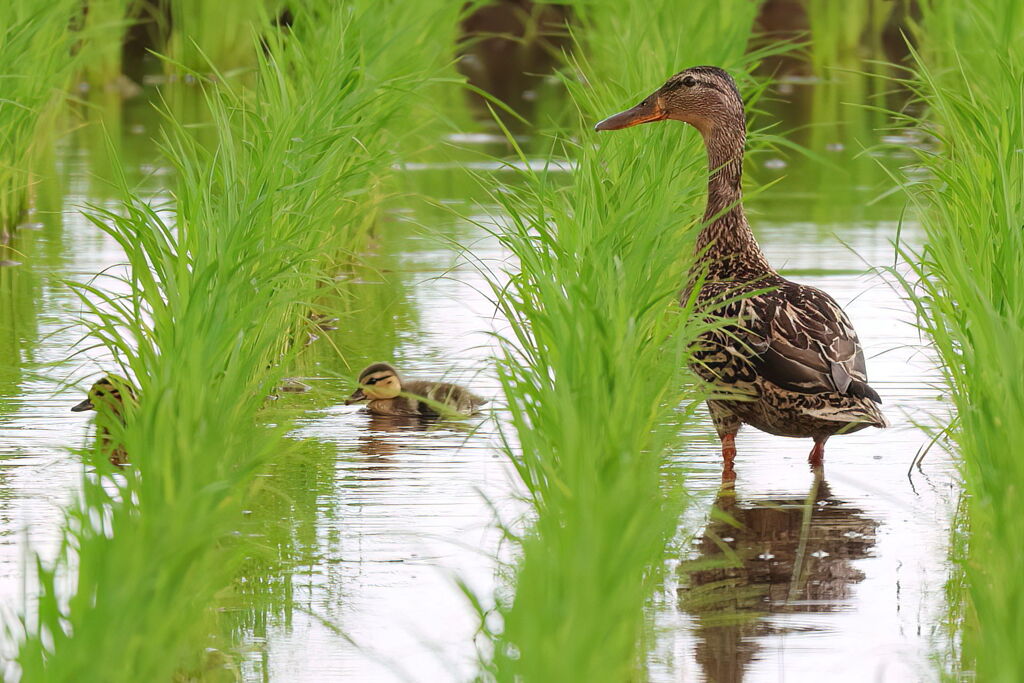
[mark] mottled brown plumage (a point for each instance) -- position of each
(792, 365)
(388, 394)
(106, 396)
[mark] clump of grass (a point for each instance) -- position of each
(36, 62)
(219, 33)
(204, 324)
(844, 34)
(103, 31)
(593, 366)
(969, 295)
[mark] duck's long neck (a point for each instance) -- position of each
(728, 246)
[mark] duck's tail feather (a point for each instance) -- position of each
(862, 390)
(853, 411)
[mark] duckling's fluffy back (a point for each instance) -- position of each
(455, 397)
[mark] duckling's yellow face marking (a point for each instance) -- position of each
(381, 385)
(379, 381)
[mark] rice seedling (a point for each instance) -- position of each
(851, 82)
(593, 365)
(205, 323)
(842, 32)
(218, 33)
(35, 64)
(969, 296)
(104, 25)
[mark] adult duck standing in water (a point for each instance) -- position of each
(792, 364)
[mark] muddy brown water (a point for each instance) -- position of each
(836, 578)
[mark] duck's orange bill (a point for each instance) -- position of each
(641, 113)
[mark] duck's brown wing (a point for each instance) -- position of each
(802, 341)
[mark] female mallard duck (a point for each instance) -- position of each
(792, 366)
(107, 397)
(389, 394)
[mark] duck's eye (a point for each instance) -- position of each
(689, 81)
(372, 380)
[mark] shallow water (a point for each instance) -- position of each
(374, 520)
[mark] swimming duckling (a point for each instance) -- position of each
(107, 397)
(323, 321)
(388, 394)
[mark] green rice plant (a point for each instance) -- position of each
(847, 101)
(593, 365)
(205, 324)
(35, 64)
(969, 296)
(102, 138)
(218, 33)
(845, 33)
(104, 25)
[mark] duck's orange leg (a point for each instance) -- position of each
(817, 456)
(728, 456)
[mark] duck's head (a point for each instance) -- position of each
(703, 96)
(107, 392)
(377, 381)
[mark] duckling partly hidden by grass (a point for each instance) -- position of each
(107, 397)
(389, 394)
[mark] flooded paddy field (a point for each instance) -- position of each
(230, 218)
(372, 523)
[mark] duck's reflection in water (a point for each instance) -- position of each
(763, 557)
(386, 436)
(383, 438)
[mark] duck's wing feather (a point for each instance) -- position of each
(802, 341)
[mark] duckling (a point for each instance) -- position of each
(388, 394)
(107, 397)
(320, 322)
(323, 321)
